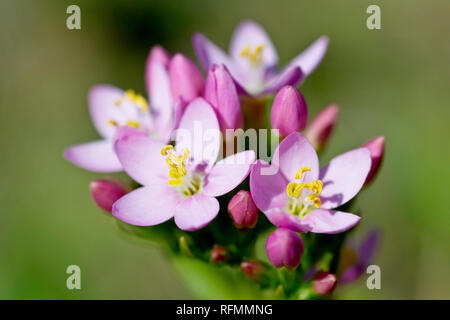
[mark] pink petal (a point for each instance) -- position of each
(208, 53)
(147, 206)
(343, 177)
(282, 219)
(329, 221)
(157, 55)
(228, 173)
(268, 191)
(195, 212)
(186, 81)
(296, 152)
(199, 132)
(249, 33)
(289, 76)
(141, 156)
(95, 156)
(310, 58)
(102, 99)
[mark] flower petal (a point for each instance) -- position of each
(343, 177)
(208, 53)
(289, 76)
(141, 156)
(228, 173)
(196, 212)
(147, 206)
(369, 247)
(95, 156)
(329, 221)
(159, 55)
(250, 33)
(102, 99)
(296, 152)
(267, 186)
(282, 219)
(310, 58)
(199, 132)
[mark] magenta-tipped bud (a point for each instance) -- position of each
(243, 210)
(284, 248)
(324, 283)
(107, 191)
(157, 55)
(376, 147)
(221, 93)
(289, 111)
(186, 81)
(320, 128)
(219, 254)
(252, 269)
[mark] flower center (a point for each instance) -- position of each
(138, 100)
(303, 195)
(254, 56)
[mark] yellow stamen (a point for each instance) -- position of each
(294, 190)
(137, 99)
(290, 189)
(133, 124)
(315, 200)
(113, 123)
(255, 57)
(300, 172)
(176, 164)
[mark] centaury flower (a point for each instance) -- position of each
(178, 181)
(111, 107)
(253, 59)
(298, 196)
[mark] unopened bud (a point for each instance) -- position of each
(289, 111)
(157, 55)
(319, 131)
(186, 81)
(252, 269)
(324, 283)
(219, 254)
(107, 191)
(284, 248)
(376, 147)
(242, 210)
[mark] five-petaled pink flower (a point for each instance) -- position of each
(181, 181)
(253, 59)
(299, 197)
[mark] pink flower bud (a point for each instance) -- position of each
(324, 283)
(289, 111)
(219, 254)
(376, 147)
(319, 131)
(186, 81)
(220, 91)
(243, 210)
(284, 248)
(107, 191)
(157, 54)
(252, 269)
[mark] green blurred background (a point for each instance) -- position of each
(392, 82)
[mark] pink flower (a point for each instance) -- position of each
(284, 248)
(243, 210)
(107, 191)
(376, 147)
(253, 59)
(289, 111)
(181, 181)
(298, 196)
(111, 107)
(320, 129)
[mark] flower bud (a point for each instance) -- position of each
(220, 92)
(107, 191)
(376, 147)
(284, 248)
(289, 111)
(324, 283)
(243, 210)
(319, 131)
(252, 269)
(219, 254)
(186, 81)
(157, 54)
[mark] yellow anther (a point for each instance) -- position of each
(315, 200)
(165, 149)
(255, 57)
(175, 182)
(137, 99)
(133, 124)
(300, 172)
(299, 188)
(290, 189)
(317, 186)
(113, 123)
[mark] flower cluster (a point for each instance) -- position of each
(177, 148)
